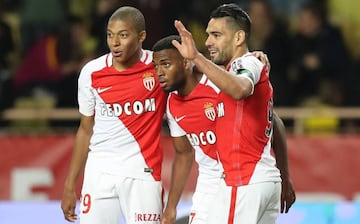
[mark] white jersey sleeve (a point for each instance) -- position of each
(251, 65)
(175, 129)
(86, 93)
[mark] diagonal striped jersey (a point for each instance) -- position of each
(244, 128)
(128, 108)
(194, 115)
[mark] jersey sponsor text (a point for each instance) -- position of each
(128, 108)
(203, 138)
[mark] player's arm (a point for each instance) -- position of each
(236, 86)
(181, 168)
(77, 163)
(288, 196)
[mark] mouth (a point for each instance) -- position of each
(163, 84)
(116, 53)
(212, 52)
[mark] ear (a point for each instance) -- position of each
(240, 37)
(142, 36)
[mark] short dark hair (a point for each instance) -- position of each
(132, 14)
(238, 16)
(165, 43)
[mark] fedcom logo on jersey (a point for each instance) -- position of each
(149, 81)
(202, 139)
(127, 108)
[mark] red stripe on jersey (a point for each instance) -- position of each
(146, 56)
(232, 205)
(241, 132)
(107, 60)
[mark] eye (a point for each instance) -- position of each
(124, 35)
(166, 65)
(109, 34)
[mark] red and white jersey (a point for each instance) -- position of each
(194, 115)
(128, 107)
(244, 128)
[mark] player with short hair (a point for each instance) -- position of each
(251, 188)
(122, 107)
(191, 115)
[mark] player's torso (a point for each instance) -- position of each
(196, 115)
(244, 129)
(129, 107)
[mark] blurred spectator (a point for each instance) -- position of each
(6, 48)
(39, 17)
(81, 8)
(269, 33)
(159, 15)
(53, 63)
(100, 16)
(320, 58)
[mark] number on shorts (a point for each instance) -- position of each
(192, 216)
(86, 203)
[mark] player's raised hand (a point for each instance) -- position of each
(187, 48)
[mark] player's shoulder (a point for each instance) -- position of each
(147, 56)
(207, 82)
(97, 63)
(246, 61)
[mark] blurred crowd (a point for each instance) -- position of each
(313, 45)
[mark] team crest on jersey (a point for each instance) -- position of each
(210, 111)
(149, 81)
(236, 65)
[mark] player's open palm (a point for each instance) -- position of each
(187, 48)
(68, 204)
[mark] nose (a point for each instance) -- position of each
(159, 72)
(208, 41)
(115, 41)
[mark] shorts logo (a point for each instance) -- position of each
(149, 81)
(210, 111)
(147, 217)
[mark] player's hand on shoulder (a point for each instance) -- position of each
(263, 58)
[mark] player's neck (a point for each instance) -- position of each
(121, 65)
(191, 82)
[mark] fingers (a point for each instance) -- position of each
(71, 217)
(179, 26)
(176, 44)
(183, 32)
(287, 202)
(69, 214)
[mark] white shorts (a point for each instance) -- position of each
(251, 204)
(105, 197)
(200, 207)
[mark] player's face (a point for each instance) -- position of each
(219, 41)
(124, 43)
(169, 67)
